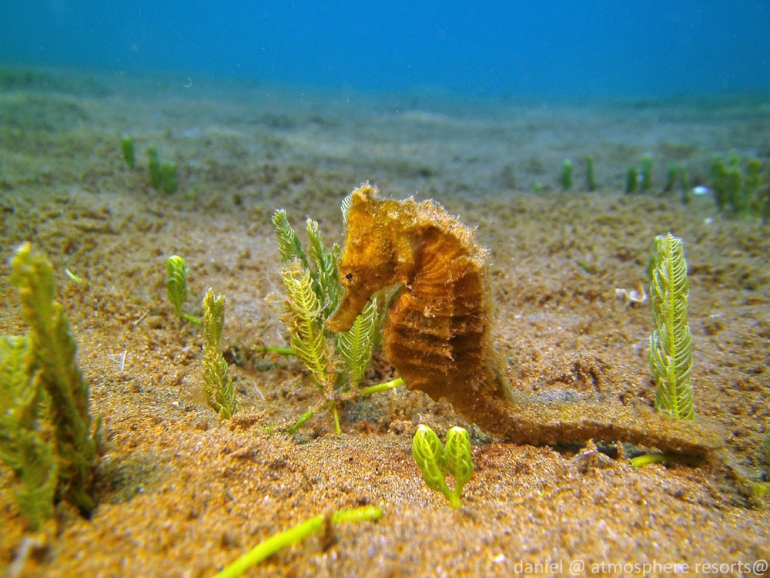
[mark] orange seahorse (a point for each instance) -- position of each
(437, 334)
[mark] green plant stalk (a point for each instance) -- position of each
(388, 385)
(566, 175)
(22, 430)
(55, 353)
(19, 398)
(649, 459)
(153, 167)
(294, 535)
(272, 349)
(303, 319)
(670, 353)
(336, 416)
(632, 180)
(127, 149)
(289, 246)
(355, 346)
(168, 178)
(75, 278)
(190, 318)
(39, 476)
(218, 385)
(326, 277)
(301, 421)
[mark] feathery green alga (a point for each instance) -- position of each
(54, 369)
(217, 383)
(670, 352)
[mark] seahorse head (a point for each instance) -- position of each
(376, 254)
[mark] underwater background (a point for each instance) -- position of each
(550, 48)
(561, 137)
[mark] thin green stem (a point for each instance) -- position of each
(293, 535)
(648, 459)
(308, 414)
(271, 349)
(392, 384)
(190, 318)
(357, 514)
(300, 422)
(337, 428)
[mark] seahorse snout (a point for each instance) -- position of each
(345, 315)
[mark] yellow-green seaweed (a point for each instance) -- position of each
(670, 352)
(436, 461)
(337, 363)
(219, 388)
(52, 368)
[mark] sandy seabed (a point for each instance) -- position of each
(181, 493)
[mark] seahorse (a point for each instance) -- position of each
(438, 331)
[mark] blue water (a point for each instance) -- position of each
(536, 48)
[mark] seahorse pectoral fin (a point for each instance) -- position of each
(345, 316)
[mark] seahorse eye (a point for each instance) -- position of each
(349, 277)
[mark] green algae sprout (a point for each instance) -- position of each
(217, 383)
(436, 461)
(176, 286)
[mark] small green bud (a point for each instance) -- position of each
(176, 282)
(436, 461)
(458, 457)
(429, 455)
